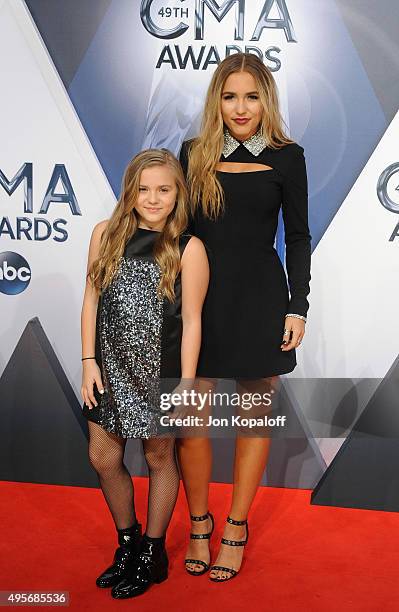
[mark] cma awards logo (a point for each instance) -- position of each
(157, 18)
(30, 227)
(15, 273)
(383, 196)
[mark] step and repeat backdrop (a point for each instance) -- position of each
(86, 85)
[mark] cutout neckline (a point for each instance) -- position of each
(264, 168)
(246, 171)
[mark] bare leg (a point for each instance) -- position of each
(251, 456)
(195, 460)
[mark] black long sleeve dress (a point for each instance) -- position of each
(248, 297)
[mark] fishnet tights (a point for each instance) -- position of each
(106, 452)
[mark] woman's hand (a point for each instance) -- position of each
(184, 390)
(91, 375)
(294, 331)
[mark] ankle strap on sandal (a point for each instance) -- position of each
(233, 522)
(199, 518)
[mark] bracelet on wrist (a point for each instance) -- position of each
(84, 358)
(297, 316)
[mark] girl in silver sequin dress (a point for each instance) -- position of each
(141, 327)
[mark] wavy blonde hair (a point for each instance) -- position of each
(124, 223)
(205, 151)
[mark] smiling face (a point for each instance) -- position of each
(157, 196)
(241, 107)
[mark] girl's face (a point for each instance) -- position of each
(157, 197)
(241, 107)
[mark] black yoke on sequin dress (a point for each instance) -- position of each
(138, 342)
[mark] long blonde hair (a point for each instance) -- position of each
(124, 222)
(205, 151)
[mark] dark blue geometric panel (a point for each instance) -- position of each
(67, 28)
(111, 89)
(373, 28)
(43, 432)
(364, 473)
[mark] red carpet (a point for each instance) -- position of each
(299, 557)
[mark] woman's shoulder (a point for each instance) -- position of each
(288, 151)
(186, 144)
(185, 149)
(288, 159)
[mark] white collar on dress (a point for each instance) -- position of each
(255, 144)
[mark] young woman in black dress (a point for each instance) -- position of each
(241, 170)
(141, 324)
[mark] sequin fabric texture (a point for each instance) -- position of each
(130, 328)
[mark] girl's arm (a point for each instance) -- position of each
(195, 280)
(90, 371)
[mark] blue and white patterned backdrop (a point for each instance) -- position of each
(86, 85)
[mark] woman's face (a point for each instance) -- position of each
(241, 107)
(157, 197)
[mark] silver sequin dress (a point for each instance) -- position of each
(138, 340)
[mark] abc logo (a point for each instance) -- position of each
(15, 273)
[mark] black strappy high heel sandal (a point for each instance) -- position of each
(230, 570)
(200, 536)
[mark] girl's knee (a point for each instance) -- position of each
(102, 459)
(159, 452)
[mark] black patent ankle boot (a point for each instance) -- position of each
(129, 545)
(150, 566)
